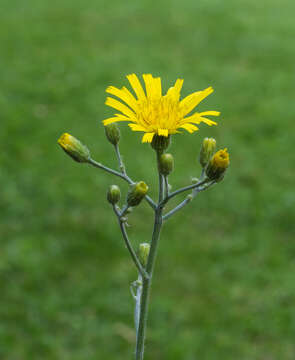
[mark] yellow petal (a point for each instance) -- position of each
(197, 119)
(153, 86)
(191, 101)
(124, 95)
(136, 85)
(136, 127)
(119, 106)
(114, 119)
(174, 91)
(147, 137)
(208, 121)
(163, 132)
(189, 127)
(212, 113)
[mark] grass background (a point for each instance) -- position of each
(224, 281)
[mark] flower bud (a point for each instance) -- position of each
(74, 148)
(112, 133)
(136, 193)
(114, 194)
(160, 143)
(143, 253)
(166, 164)
(207, 150)
(218, 165)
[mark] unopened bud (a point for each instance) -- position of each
(112, 133)
(166, 164)
(218, 165)
(114, 194)
(74, 148)
(207, 150)
(136, 193)
(160, 143)
(143, 253)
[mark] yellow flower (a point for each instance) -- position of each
(154, 113)
(220, 159)
(218, 165)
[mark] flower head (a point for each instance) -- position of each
(136, 193)
(218, 165)
(156, 114)
(74, 148)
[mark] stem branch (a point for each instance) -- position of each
(188, 199)
(123, 176)
(134, 257)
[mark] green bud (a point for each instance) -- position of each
(74, 148)
(160, 143)
(114, 194)
(207, 150)
(166, 164)
(112, 133)
(136, 193)
(143, 253)
(218, 165)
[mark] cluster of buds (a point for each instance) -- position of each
(135, 194)
(214, 164)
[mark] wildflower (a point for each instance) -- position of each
(218, 165)
(154, 113)
(74, 148)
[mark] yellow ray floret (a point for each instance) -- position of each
(156, 114)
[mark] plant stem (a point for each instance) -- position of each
(120, 161)
(109, 170)
(187, 200)
(146, 283)
(166, 186)
(134, 257)
(123, 176)
(186, 188)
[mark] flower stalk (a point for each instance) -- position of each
(159, 117)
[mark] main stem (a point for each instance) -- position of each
(146, 283)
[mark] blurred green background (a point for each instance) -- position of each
(224, 280)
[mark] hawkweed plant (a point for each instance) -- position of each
(159, 117)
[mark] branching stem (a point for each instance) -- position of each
(188, 199)
(123, 176)
(134, 257)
